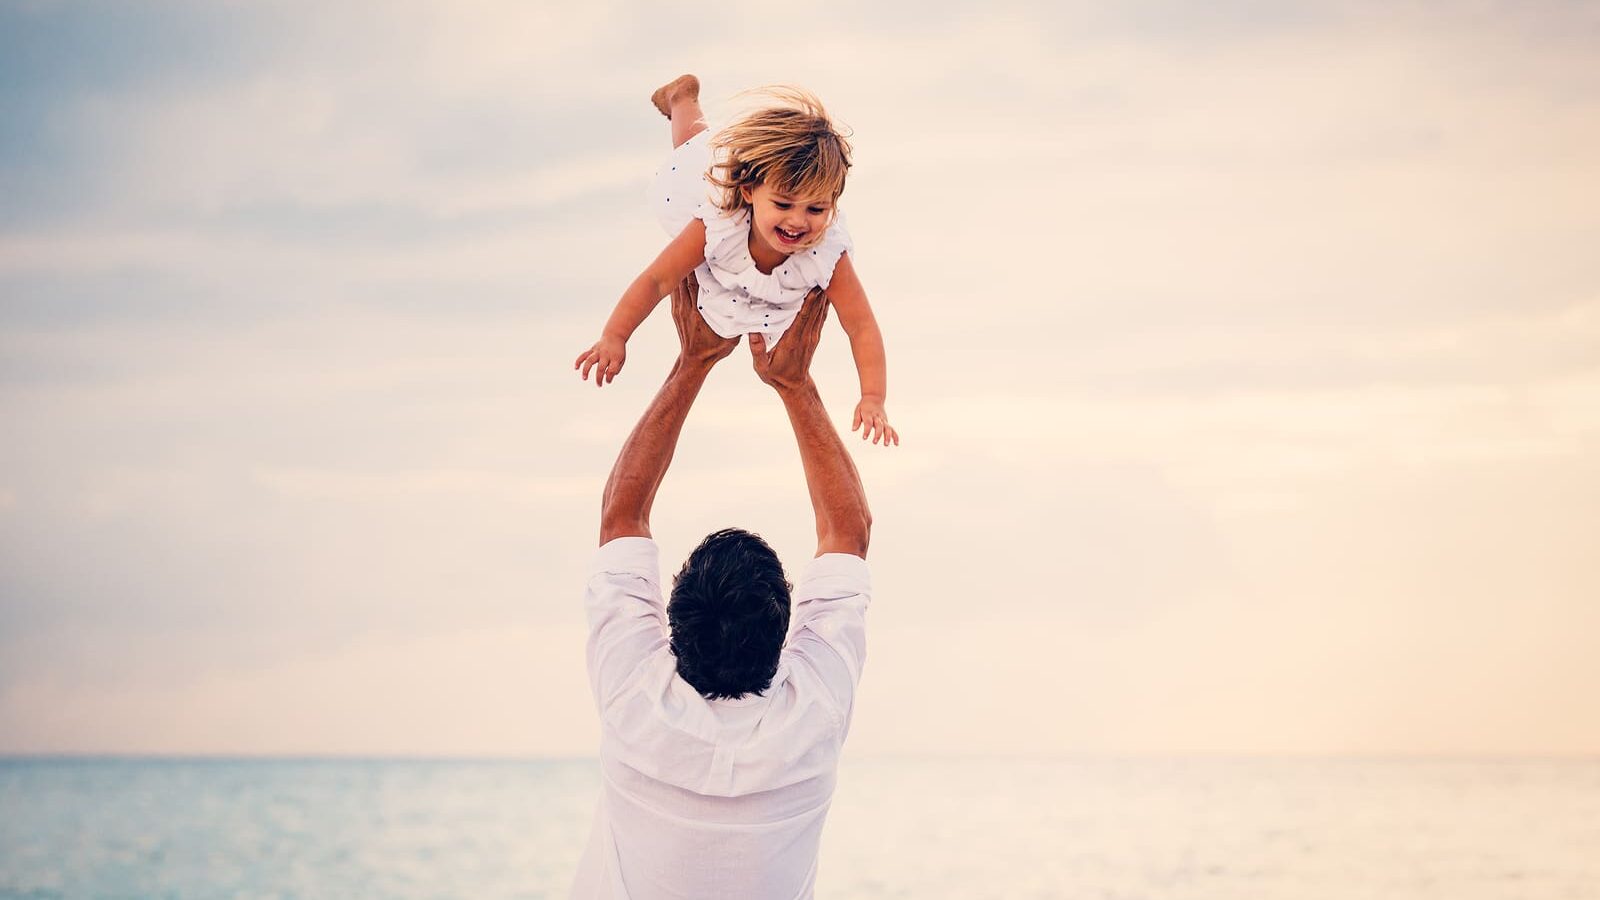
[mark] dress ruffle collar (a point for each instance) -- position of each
(728, 257)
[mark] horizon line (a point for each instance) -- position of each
(1064, 756)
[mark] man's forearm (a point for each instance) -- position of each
(844, 524)
(637, 474)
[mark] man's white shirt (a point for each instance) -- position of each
(715, 798)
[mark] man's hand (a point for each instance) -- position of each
(789, 366)
(697, 343)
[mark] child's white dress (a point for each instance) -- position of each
(736, 297)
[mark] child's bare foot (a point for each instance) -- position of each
(684, 87)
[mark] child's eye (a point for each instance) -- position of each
(817, 212)
(781, 205)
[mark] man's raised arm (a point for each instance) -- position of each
(844, 524)
(637, 474)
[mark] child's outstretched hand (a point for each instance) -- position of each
(872, 420)
(605, 357)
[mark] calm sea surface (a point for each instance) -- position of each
(1187, 828)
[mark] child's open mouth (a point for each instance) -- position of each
(789, 237)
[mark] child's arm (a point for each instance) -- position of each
(866, 343)
(607, 355)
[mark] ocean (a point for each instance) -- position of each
(1182, 828)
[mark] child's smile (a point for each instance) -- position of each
(782, 224)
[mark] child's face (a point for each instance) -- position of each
(786, 223)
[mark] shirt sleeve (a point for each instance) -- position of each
(829, 632)
(627, 617)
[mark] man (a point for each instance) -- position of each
(722, 715)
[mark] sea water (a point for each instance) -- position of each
(1212, 828)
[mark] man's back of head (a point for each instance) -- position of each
(729, 614)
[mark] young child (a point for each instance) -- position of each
(754, 213)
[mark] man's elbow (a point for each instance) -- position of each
(850, 534)
(615, 522)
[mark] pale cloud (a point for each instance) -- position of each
(323, 484)
(278, 270)
(286, 143)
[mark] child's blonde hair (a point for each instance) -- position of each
(791, 143)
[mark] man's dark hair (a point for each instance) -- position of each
(729, 614)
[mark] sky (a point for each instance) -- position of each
(1246, 358)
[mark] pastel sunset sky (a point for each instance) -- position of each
(1246, 357)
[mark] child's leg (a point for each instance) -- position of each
(679, 100)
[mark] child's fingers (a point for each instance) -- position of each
(886, 432)
(583, 356)
(588, 363)
(856, 422)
